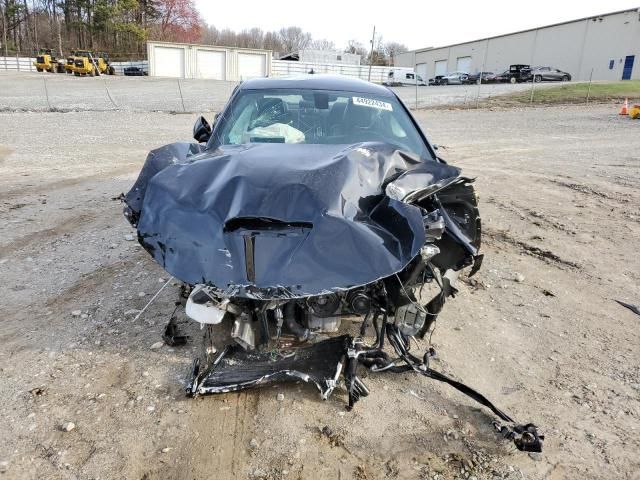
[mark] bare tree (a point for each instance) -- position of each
(4, 31)
(353, 46)
(255, 37)
(377, 56)
(323, 44)
(294, 39)
(393, 49)
(271, 41)
(210, 35)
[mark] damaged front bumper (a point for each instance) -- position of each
(237, 369)
(323, 363)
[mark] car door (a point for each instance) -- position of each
(545, 73)
(409, 79)
(554, 74)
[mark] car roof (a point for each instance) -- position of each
(317, 82)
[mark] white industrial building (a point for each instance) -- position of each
(607, 46)
(333, 57)
(183, 60)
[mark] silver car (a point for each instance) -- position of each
(454, 78)
(551, 74)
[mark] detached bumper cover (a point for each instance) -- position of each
(235, 369)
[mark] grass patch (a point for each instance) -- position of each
(575, 93)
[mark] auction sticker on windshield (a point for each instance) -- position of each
(373, 103)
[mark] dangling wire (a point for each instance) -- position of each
(416, 304)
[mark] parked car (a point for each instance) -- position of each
(437, 80)
(519, 73)
(454, 78)
(551, 74)
(134, 72)
(502, 77)
(487, 77)
(398, 77)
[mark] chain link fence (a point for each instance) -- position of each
(26, 90)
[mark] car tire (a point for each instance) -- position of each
(565, 79)
(444, 82)
(38, 69)
(537, 78)
(513, 80)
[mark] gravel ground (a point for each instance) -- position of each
(29, 91)
(83, 394)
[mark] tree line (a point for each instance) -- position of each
(117, 26)
(293, 39)
(121, 27)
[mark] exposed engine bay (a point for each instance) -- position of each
(283, 249)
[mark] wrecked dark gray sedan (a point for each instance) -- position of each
(308, 201)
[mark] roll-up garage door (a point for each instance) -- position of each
(441, 67)
(464, 64)
(168, 62)
(252, 65)
(421, 69)
(211, 64)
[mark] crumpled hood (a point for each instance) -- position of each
(279, 220)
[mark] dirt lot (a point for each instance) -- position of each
(538, 331)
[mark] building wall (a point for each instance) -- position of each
(328, 56)
(181, 60)
(576, 47)
(285, 68)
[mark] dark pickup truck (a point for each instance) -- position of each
(518, 73)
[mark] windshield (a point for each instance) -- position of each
(317, 117)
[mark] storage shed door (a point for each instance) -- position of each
(464, 64)
(211, 64)
(168, 62)
(252, 65)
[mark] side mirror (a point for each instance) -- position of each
(201, 130)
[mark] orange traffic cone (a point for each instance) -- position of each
(625, 107)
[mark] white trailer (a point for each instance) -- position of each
(398, 77)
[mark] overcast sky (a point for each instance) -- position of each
(417, 24)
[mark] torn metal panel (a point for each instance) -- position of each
(319, 364)
(262, 220)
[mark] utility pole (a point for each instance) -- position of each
(373, 38)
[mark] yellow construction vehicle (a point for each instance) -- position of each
(86, 63)
(46, 61)
(105, 57)
(68, 66)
